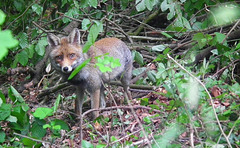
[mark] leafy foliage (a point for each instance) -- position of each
(7, 40)
(178, 107)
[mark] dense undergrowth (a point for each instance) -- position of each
(185, 83)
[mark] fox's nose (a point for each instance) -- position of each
(65, 69)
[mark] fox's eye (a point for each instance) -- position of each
(59, 58)
(72, 55)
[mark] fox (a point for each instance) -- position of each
(66, 53)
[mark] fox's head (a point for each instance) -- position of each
(66, 52)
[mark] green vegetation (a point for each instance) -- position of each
(186, 55)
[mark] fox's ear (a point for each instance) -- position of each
(74, 36)
(53, 40)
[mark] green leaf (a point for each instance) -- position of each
(238, 46)
(56, 104)
(200, 38)
(219, 37)
(2, 136)
(12, 119)
(37, 8)
(144, 101)
(43, 112)
(138, 71)
(5, 111)
(40, 47)
(23, 39)
(18, 97)
(58, 125)
(151, 76)
(46, 126)
(164, 5)
(149, 4)
(93, 3)
(2, 98)
(235, 88)
(172, 12)
(186, 23)
(140, 5)
(139, 58)
(28, 142)
(30, 51)
(85, 24)
(71, 13)
(2, 17)
(159, 48)
(103, 68)
(87, 46)
(94, 31)
(147, 120)
(22, 57)
(37, 129)
(80, 67)
(167, 35)
(115, 63)
(86, 144)
(7, 41)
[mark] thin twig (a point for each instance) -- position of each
(31, 138)
(235, 25)
(121, 107)
(20, 15)
(210, 97)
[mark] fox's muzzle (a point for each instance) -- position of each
(67, 69)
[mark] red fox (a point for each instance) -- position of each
(67, 53)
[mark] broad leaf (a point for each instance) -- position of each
(40, 47)
(7, 41)
(43, 112)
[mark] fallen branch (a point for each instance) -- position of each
(121, 107)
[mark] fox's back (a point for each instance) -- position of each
(114, 47)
